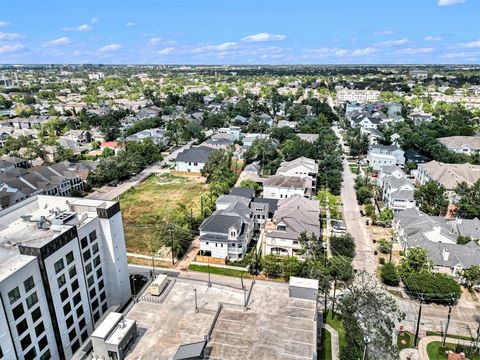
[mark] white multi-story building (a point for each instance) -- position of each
(344, 95)
(63, 264)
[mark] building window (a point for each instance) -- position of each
(61, 281)
(102, 296)
(69, 257)
(22, 326)
(90, 281)
(96, 261)
(14, 295)
(87, 255)
(72, 335)
(29, 284)
(69, 322)
(100, 285)
(76, 299)
(43, 343)
(112, 355)
(39, 329)
(104, 307)
(59, 266)
(92, 293)
(88, 268)
(82, 324)
(64, 295)
(72, 272)
(26, 342)
(32, 300)
(67, 308)
(75, 285)
(93, 236)
(31, 355)
(96, 316)
(84, 335)
(95, 248)
(94, 305)
(18, 311)
(75, 346)
(99, 273)
(79, 311)
(46, 355)
(84, 242)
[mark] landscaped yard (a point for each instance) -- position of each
(326, 353)
(434, 353)
(405, 340)
(157, 198)
(337, 324)
(218, 271)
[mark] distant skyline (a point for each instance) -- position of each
(240, 32)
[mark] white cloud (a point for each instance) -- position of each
(58, 42)
(214, 48)
(432, 38)
(94, 20)
(166, 51)
(11, 48)
(4, 23)
(155, 40)
(363, 52)
(10, 36)
(389, 43)
(449, 2)
(110, 48)
(471, 44)
(384, 32)
(415, 51)
(83, 27)
(130, 23)
(264, 37)
(338, 52)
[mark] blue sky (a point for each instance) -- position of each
(240, 31)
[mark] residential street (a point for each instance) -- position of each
(364, 257)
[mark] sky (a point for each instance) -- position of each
(240, 31)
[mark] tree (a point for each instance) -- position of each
(312, 246)
(364, 193)
(415, 261)
(343, 245)
(255, 265)
(271, 266)
(389, 274)
(384, 246)
(436, 287)
(250, 184)
(432, 198)
(463, 240)
(472, 276)
(341, 270)
(218, 168)
(385, 217)
(369, 312)
(469, 200)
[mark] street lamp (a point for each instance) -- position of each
(367, 340)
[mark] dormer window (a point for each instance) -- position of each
(281, 227)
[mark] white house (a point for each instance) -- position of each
(282, 187)
(391, 150)
(193, 160)
(377, 161)
(461, 144)
(300, 167)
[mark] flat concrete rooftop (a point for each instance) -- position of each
(274, 327)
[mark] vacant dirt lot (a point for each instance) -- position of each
(158, 197)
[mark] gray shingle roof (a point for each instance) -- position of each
(198, 154)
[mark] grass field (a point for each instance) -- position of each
(408, 337)
(434, 353)
(218, 271)
(337, 324)
(158, 197)
(326, 353)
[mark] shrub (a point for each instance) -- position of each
(435, 287)
(381, 261)
(343, 245)
(389, 274)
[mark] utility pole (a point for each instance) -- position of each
(367, 340)
(196, 304)
(153, 265)
(209, 283)
(391, 249)
(170, 231)
(334, 291)
(418, 322)
(448, 323)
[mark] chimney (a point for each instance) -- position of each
(446, 254)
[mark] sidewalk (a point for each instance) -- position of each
(334, 342)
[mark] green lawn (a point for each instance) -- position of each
(434, 353)
(354, 169)
(436, 333)
(218, 271)
(326, 353)
(158, 197)
(408, 337)
(337, 324)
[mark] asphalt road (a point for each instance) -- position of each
(355, 224)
